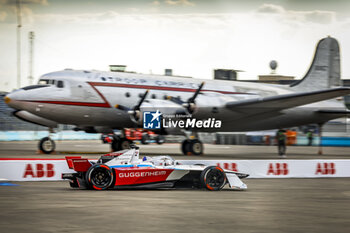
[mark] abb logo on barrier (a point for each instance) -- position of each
(325, 169)
(228, 166)
(278, 169)
(39, 170)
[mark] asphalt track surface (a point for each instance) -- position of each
(269, 205)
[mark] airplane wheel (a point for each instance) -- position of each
(185, 147)
(100, 177)
(124, 144)
(115, 145)
(47, 145)
(213, 178)
(196, 147)
(145, 139)
(160, 139)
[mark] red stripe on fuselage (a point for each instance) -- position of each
(160, 88)
(101, 105)
(100, 94)
(105, 104)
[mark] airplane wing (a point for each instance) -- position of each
(334, 112)
(280, 102)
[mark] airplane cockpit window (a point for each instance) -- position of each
(43, 81)
(60, 84)
(33, 87)
(46, 81)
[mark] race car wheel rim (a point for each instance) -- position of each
(215, 179)
(101, 178)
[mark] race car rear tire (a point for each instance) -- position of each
(213, 178)
(99, 177)
(47, 145)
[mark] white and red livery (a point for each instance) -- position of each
(125, 170)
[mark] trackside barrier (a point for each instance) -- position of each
(282, 168)
(51, 169)
(33, 169)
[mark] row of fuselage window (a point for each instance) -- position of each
(60, 84)
(153, 96)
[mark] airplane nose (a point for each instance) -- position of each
(7, 99)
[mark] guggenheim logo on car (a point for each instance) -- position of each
(142, 174)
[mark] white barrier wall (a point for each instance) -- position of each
(283, 168)
(33, 169)
(51, 169)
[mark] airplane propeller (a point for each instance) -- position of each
(137, 107)
(191, 100)
(190, 104)
(135, 111)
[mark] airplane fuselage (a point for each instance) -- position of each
(88, 98)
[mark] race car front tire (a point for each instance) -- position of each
(100, 177)
(213, 178)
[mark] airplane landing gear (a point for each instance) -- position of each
(120, 143)
(160, 139)
(125, 144)
(46, 145)
(320, 150)
(192, 147)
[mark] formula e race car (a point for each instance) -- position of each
(124, 170)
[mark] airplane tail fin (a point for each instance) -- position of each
(324, 71)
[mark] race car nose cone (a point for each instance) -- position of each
(7, 99)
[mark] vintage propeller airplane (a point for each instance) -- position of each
(98, 101)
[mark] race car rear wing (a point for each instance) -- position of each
(70, 162)
(78, 164)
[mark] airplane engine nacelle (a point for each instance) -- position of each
(164, 106)
(29, 117)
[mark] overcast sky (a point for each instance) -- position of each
(192, 37)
